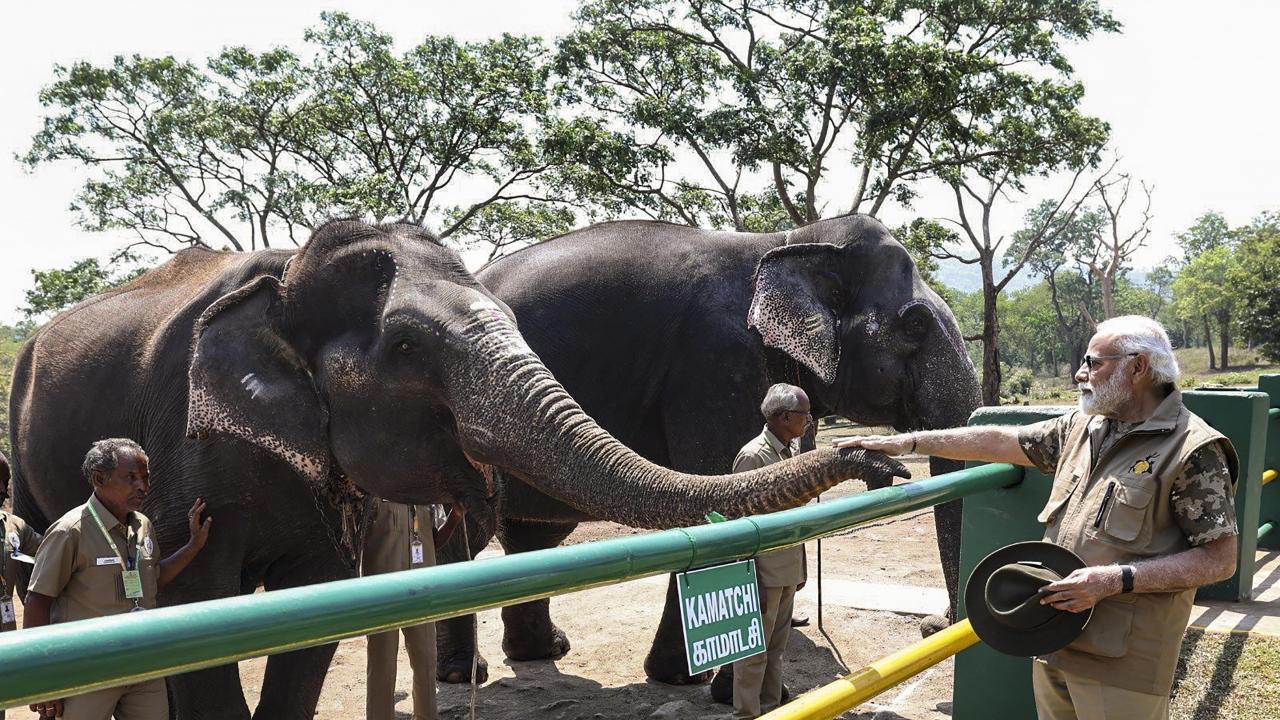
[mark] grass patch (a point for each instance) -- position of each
(1227, 677)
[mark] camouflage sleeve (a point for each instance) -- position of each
(1042, 442)
(1203, 497)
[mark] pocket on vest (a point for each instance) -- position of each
(1107, 634)
(1127, 515)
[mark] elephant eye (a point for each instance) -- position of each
(405, 347)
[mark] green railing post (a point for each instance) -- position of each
(1269, 499)
(1242, 417)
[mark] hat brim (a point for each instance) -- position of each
(1052, 636)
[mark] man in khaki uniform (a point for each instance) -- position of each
(17, 543)
(1143, 492)
(757, 680)
(102, 558)
(400, 537)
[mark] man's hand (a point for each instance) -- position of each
(1083, 588)
(887, 444)
(199, 530)
(47, 709)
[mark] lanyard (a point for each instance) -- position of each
(413, 515)
(124, 564)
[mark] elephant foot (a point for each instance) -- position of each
(456, 668)
(675, 675)
(934, 623)
(519, 646)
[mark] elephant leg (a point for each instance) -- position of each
(666, 661)
(946, 521)
(455, 637)
(293, 680)
(528, 633)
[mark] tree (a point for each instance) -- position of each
(60, 288)
(1209, 231)
(507, 225)
(1259, 255)
(1111, 249)
(922, 237)
(1210, 285)
(686, 109)
(254, 148)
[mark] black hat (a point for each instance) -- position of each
(1003, 599)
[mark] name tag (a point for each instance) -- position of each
(415, 552)
(109, 561)
(132, 584)
(7, 613)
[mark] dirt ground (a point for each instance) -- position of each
(610, 629)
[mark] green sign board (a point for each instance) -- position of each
(720, 612)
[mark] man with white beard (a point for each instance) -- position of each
(1143, 492)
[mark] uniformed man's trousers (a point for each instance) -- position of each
(1062, 695)
(143, 701)
(757, 680)
(386, 549)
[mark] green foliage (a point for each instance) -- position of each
(11, 339)
(699, 105)
(1259, 257)
(509, 225)
(923, 238)
(1209, 231)
(253, 148)
(60, 288)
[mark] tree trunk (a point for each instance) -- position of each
(1108, 297)
(1053, 361)
(990, 343)
(1224, 321)
(1208, 342)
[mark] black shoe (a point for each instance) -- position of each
(722, 685)
(799, 621)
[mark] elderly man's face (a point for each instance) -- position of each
(1104, 378)
(125, 487)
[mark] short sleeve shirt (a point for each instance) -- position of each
(76, 566)
(1202, 496)
(18, 538)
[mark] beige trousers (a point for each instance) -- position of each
(143, 701)
(757, 680)
(386, 549)
(1061, 695)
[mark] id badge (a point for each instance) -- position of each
(415, 552)
(7, 613)
(132, 584)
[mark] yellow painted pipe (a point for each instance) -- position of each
(831, 700)
(1268, 476)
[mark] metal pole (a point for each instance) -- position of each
(831, 700)
(1265, 528)
(77, 657)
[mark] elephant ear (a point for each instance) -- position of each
(792, 305)
(247, 381)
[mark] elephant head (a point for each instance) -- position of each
(378, 357)
(844, 300)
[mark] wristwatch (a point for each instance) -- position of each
(1126, 578)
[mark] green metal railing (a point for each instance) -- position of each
(67, 659)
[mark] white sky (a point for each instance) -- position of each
(1188, 87)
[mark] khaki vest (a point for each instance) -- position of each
(1116, 509)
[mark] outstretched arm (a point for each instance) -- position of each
(171, 566)
(986, 443)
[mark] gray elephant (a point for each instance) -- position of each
(669, 335)
(281, 386)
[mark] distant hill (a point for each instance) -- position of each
(968, 278)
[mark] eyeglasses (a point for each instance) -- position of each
(1092, 361)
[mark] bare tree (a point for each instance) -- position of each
(1112, 248)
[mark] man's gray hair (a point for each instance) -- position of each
(779, 399)
(104, 455)
(1140, 334)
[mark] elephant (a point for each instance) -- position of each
(669, 336)
(286, 388)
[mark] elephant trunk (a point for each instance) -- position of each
(527, 424)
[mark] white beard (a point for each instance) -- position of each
(1104, 399)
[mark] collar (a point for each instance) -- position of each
(1165, 417)
(777, 445)
(108, 517)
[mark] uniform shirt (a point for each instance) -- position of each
(18, 537)
(76, 566)
(780, 567)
